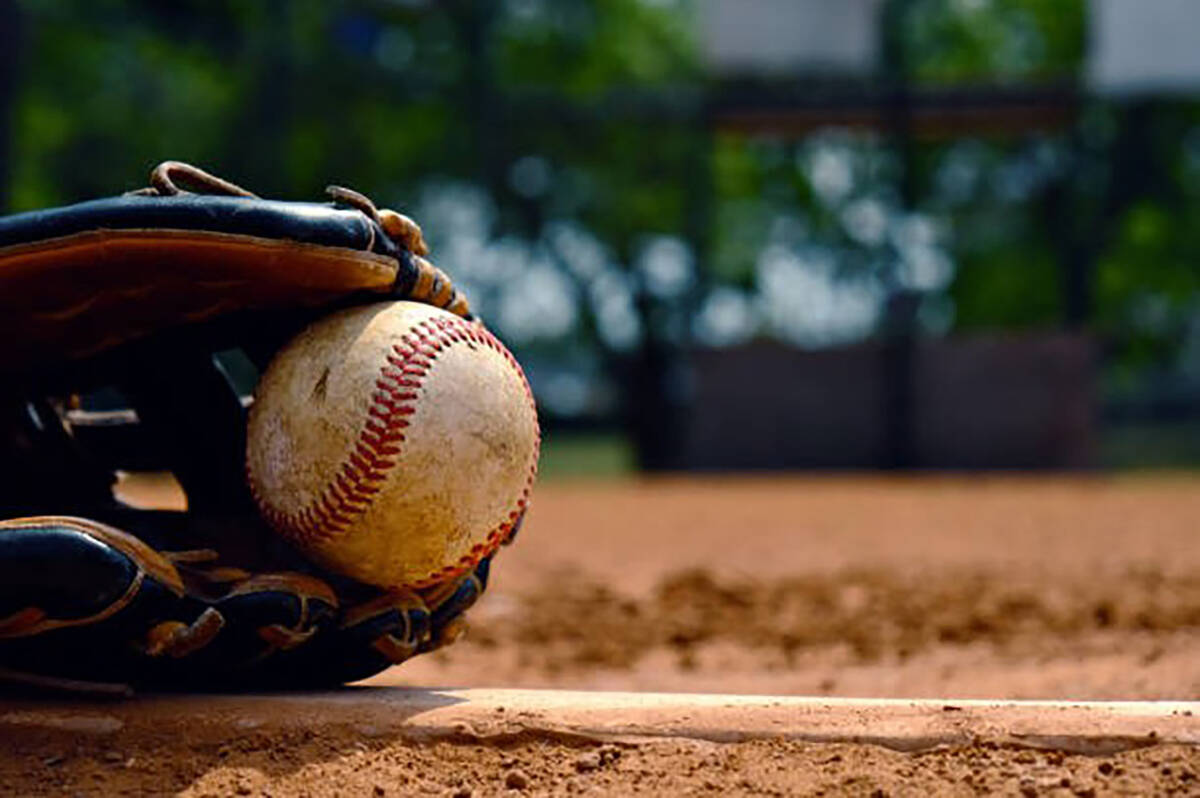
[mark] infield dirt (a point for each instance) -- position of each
(1066, 588)
(1057, 588)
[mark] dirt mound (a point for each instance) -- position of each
(571, 621)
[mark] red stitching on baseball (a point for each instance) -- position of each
(377, 448)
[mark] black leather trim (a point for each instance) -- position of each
(306, 222)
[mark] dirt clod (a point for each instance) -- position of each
(587, 762)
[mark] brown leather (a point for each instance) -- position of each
(77, 295)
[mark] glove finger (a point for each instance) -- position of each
(371, 637)
(259, 619)
(82, 600)
(76, 597)
(387, 630)
(449, 603)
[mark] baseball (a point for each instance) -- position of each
(394, 443)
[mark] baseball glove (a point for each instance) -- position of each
(124, 326)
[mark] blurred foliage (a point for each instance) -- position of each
(555, 150)
(952, 41)
(581, 50)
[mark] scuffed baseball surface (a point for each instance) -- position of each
(394, 443)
